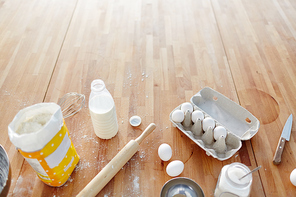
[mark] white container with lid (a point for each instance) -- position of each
(229, 183)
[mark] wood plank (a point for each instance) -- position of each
(259, 39)
(153, 56)
(31, 36)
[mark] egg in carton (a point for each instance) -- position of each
(215, 123)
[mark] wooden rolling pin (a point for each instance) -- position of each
(111, 169)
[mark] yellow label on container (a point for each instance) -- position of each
(55, 162)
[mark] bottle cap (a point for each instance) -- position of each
(135, 121)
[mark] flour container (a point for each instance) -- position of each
(102, 110)
(41, 136)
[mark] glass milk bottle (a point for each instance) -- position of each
(102, 110)
(229, 183)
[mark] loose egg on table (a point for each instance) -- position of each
(165, 152)
(208, 122)
(219, 131)
(293, 177)
(175, 168)
(187, 106)
(178, 116)
(197, 115)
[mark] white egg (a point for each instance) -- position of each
(187, 106)
(293, 177)
(208, 122)
(175, 168)
(178, 116)
(197, 115)
(165, 152)
(219, 131)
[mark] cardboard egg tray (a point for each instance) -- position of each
(239, 123)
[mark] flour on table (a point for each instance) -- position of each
(136, 183)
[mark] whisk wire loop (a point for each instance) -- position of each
(71, 103)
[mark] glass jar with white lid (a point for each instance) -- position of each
(230, 184)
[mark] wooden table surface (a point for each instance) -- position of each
(153, 56)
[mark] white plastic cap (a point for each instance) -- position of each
(135, 121)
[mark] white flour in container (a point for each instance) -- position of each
(41, 136)
(34, 123)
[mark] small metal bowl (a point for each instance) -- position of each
(5, 172)
(181, 187)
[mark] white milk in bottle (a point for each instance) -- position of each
(102, 110)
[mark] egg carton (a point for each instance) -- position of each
(239, 123)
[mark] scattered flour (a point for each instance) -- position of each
(22, 187)
(141, 154)
(107, 195)
(83, 136)
(136, 183)
(82, 165)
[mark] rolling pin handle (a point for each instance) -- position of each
(145, 133)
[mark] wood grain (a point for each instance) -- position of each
(112, 168)
(259, 40)
(153, 56)
(31, 36)
(145, 66)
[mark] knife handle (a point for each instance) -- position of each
(279, 150)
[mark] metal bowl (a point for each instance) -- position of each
(181, 187)
(5, 173)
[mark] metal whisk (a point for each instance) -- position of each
(71, 103)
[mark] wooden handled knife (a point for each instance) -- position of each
(284, 137)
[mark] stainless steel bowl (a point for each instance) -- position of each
(181, 187)
(5, 173)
